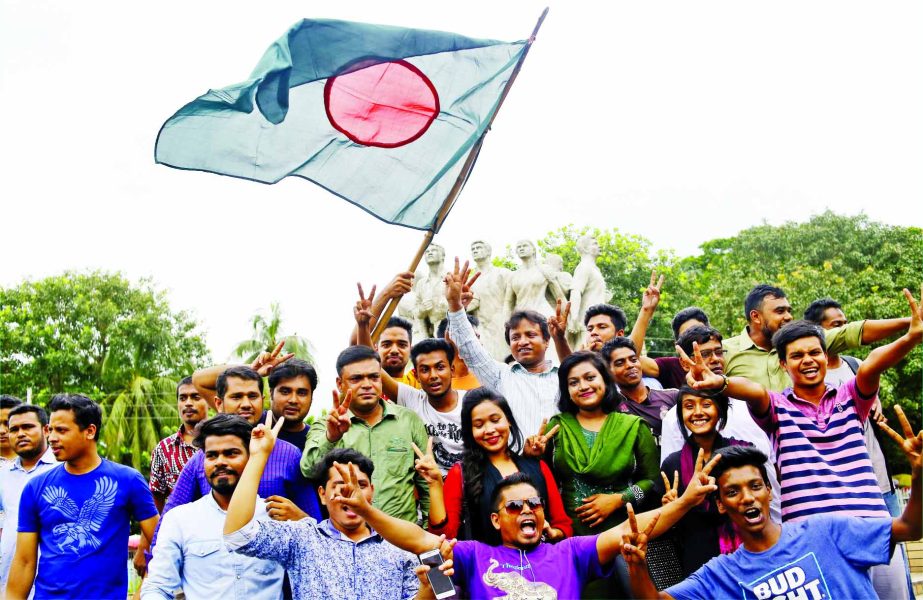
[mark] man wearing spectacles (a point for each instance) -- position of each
(739, 423)
(621, 354)
(523, 565)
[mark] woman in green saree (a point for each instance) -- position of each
(602, 459)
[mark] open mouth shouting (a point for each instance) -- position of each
(753, 515)
(528, 525)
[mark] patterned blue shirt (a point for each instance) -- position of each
(323, 563)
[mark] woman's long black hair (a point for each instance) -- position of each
(474, 458)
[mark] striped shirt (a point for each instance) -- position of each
(823, 463)
(532, 396)
(167, 462)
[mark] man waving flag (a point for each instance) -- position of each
(384, 117)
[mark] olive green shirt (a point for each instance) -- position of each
(746, 359)
(387, 443)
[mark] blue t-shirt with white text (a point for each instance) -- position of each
(824, 556)
(82, 523)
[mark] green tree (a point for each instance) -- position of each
(267, 333)
(98, 334)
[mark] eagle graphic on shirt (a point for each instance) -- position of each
(85, 522)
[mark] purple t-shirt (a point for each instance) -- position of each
(548, 571)
(652, 410)
(671, 372)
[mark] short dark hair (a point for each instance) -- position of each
(756, 296)
(432, 345)
(9, 401)
(403, 324)
(619, 341)
(290, 369)
(343, 456)
(565, 404)
(86, 412)
(239, 372)
(182, 382)
(507, 482)
(616, 315)
(796, 330)
(39, 412)
(689, 313)
(354, 354)
(526, 315)
(720, 400)
(734, 457)
(815, 311)
(699, 334)
(444, 325)
(223, 424)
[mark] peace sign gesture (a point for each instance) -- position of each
(350, 493)
(651, 297)
(338, 421)
(702, 483)
(558, 323)
(458, 285)
(426, 465)
(915, 331)
(535, 444)
(912, 445)
(634, 544)
(672, 492)
(363, 309)
(699, 376)
(267, 361)
(263, 437)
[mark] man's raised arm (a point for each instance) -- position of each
(243, 501)
(403, 534)
(397, 288)
(880, 359)
(909, 526)
(700, 377)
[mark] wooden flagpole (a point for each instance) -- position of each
(458, 185)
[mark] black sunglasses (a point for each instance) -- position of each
(514, 507)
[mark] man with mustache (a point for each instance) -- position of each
(27, 428)
(190, 549)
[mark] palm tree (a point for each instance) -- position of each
(138, 414)
(266, 335)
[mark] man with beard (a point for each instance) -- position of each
(173, 452)
(74, 518)
(27, 428)
(291, 390)
(239, 391)
(751, 354)
(190, 548)
(342, 557)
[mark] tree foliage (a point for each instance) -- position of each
(98, 334)
(267, 332)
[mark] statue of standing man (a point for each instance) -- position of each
(533, 286)
(429, 291)
(490, 291)
(588, 288)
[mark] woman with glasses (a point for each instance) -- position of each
(460, 507)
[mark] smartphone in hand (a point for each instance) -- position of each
(441, 583)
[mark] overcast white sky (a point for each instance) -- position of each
(677, 121)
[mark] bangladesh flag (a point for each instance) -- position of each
(383, 117)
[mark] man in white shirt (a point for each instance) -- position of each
(190, 552)
(739, 425)
(27, 426)
(437, 403)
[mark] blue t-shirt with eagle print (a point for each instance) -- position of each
(82, 523)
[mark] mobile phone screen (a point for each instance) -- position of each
(442, 584)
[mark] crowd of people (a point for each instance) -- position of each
(749, 466)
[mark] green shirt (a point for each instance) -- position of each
(746, 359)
(387, 443)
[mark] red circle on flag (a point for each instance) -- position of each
(387, 104)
